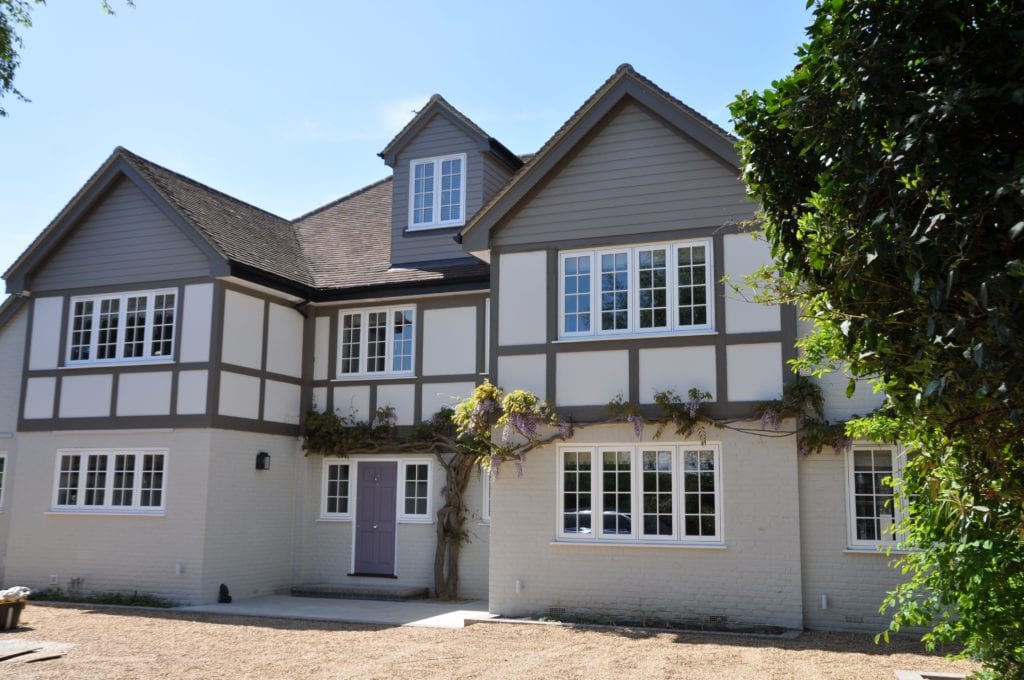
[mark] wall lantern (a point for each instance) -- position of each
(262, 460)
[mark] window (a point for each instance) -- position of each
(376, 342)
(437, 192)
(656, 288)
(648, 493)
(3, 478)
(122, 327)
(337, 491)
(110, 481)
(415, 490)
(873, 510)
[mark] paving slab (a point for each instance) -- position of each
(424, 613)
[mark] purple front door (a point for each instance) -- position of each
(375, 518)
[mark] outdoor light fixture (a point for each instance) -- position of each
(262, 460)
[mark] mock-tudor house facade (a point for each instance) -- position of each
(164, 340)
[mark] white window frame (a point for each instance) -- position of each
(419, 518)
(4, 474)
(107, 508)
(437, 222)
(350, 512)
(899, 511)
(633, 329)
(122, 298)
(389, 349)
(636, 535)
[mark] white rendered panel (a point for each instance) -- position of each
(677, 369)
(522, 307)
(243, 330)
(144, 394)
(449, 341)
(85, 396)
(321, 346)
(281, 402)
(319, 398)
(351, 401)
(191, 392)
(436, 395)
(39, 397)
(591, 378)
(402, 398)
(46, 318)
(284, 341)
(755, 371)
(744, 255)
(239, 395)
(524, 372)
(196, 321)
(487, 335)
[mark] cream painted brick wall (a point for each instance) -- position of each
(109, 552)
(754, 581)
(250, 523)
(854, 582)
(324, 548)
(12, 353)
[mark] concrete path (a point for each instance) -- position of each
(426, 613)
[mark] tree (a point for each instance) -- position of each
(890, 170)
(15, 14)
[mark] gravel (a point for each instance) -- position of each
(137, 643)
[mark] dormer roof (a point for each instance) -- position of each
(439, 106)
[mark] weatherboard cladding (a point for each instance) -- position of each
(127, 240)
(438, 137)
(635, 173)
(242, 233)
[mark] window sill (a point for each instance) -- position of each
(633, 336)
(409, 229)
(415, 520)
(113, 364)
(332, 520)
(639, 544)
(104, 513)
(373, 376)
(883, 551)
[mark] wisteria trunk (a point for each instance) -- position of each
(451, 519)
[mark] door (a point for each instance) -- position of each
(375, 518)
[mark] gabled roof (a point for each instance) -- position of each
(625, 82)
(348, 245)
(438, 105)
(226, 228)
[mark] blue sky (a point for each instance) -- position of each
(286, 105)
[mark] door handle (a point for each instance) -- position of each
(374, 527)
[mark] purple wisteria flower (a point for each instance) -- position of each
(565, 429)
(770, 418)
(842, 444)
(692, 407)
(637, 422)
(522, 423)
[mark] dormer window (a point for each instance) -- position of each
(437, 192)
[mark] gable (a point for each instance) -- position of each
(124, 239)
(634, 174)
(438, 137)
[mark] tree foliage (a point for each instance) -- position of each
(890, 170)
(14, 15)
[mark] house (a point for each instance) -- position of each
(165, 339)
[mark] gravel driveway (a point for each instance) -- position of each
(132, 643)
